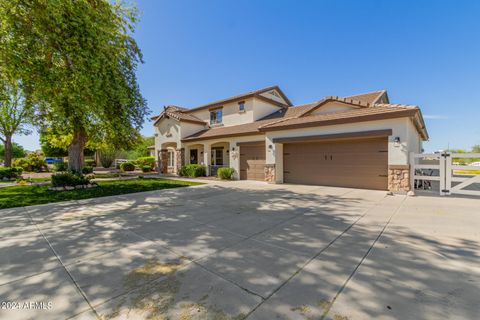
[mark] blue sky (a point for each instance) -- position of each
(425, 53)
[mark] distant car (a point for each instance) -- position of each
(475, 164)
(53, 160)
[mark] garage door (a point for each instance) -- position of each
(352, 163)
(252, 162)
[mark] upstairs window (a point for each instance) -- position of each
(216, 116)
(241, 106)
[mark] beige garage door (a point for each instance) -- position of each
(352, 163)
(252, 162)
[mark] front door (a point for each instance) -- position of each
(193, 156)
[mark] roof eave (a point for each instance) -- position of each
(364, 118)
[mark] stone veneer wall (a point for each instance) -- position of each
(399, 178)
(270, 173)
(180, 155)
(163, 160)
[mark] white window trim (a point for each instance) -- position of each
(172, 165)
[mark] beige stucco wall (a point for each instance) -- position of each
(397, 154)
(273, 97)
(263, 109)
(162, 129)
(187, 128)
(231, 115)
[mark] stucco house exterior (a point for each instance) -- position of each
(360, 141)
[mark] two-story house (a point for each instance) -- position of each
(360, 141)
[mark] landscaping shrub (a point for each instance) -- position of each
(60, 166)
(146, 168)
(69, 179)
(10, 173)
(107, 157)
(193, 170)
(127, 166)
(225, 173)
(90, 163)
(33, 162)
(87, 170)
(146, 161)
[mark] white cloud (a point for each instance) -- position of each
(435, 117)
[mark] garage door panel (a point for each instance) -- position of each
(355, 163)
(252, 162)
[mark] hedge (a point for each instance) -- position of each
(10, 173)
(146, 161)
(193, 170)
(69, 179)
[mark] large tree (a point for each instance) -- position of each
(15, 115)
(77, 59)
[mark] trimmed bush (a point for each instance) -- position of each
(87, 170)
(10, 173)
(127, 166)
(60, 166)
(193, 170)
(146, 161)
(69, 179)
(146, 168)
(33, 162)
(225, 173)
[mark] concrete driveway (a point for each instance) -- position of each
(243, 249)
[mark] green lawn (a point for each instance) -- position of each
(19, 196)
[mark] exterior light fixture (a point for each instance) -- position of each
(396, 141)
(233, 148)
(270, 146)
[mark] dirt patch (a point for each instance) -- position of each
(149, 295)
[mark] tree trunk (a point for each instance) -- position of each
(75, 150)
(8, 150)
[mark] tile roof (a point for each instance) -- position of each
(298, 116)
(178, 113)
(369, 97)
(241, 96)
(358, 115)
(220, 132)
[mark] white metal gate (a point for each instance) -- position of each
(447, 171)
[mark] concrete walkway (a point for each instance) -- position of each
(243, 250)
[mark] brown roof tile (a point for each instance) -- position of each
(357, 115)
(241, 96)
(369, 97)
(298, 116)
(178, 114)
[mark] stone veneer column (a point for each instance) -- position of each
(180, 157)
(270, 173)
(399, 178)
(164, 161)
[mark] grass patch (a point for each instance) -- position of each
(20, 196)
(466, 172)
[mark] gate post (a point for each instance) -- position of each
(448, 173)
(443, 173)
(412, 171)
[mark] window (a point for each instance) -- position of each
(216, 116)
(241, 106)
(217, 157)
(171, 158)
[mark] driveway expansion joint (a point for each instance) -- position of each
(62, 265)
(316, 255)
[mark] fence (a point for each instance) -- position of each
(445, 171)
